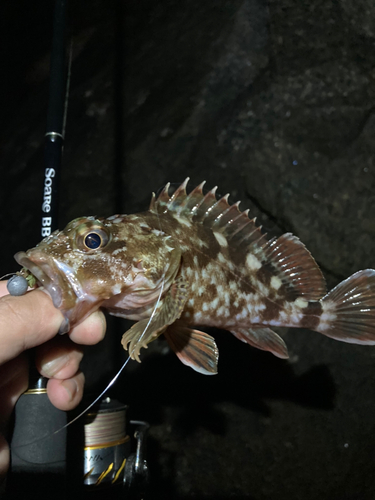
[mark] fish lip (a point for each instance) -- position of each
(47, 282)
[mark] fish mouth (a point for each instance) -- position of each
(59, 280)
(55, 290)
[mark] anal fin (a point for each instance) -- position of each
(193, 348)
(265, 339)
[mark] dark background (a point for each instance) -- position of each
(273, 102)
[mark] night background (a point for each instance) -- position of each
(273, 101)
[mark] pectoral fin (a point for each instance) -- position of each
(146, 330)
(265, 339)
(193, 348)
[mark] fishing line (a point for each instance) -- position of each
(6, 275)
(123, 366)
(110, 383)
(114, 379)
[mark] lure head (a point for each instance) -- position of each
(94, 260)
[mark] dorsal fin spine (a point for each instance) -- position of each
(163, 199)
(152, 203)
(197, 191)
(217, 210)
(246, 221)
(206, 204)
(177, 196)
(226, 218)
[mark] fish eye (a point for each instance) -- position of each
(91, 236)
(93, 241)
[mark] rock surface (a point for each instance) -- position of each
(274, 103)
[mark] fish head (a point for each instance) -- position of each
(94, 260)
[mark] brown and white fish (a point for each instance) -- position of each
(193, 259)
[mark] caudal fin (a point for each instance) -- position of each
(348, 311)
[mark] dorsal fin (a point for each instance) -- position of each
(294, 265)
(211, 212)
(286, 257)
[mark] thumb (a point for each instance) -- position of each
(26, 322)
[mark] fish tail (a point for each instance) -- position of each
(348, 311)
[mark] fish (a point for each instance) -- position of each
(194, 260)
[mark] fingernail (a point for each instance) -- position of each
(71, 388)
(52, 367)
(64, 327)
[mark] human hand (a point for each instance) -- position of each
(29, 321)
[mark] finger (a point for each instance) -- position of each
(58, 358)
(66, 394)
(25, 322)
(91, 331)
(3, 288)
(85, 333)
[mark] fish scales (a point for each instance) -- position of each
(194, 259)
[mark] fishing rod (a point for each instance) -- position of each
(34, 413)
(36, 419)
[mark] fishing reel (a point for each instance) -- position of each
(114, 456)
(102, 454)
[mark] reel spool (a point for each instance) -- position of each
(108, 458)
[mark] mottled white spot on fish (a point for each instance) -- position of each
(243, 314)
(202, 243)
(116, 289)
(221, 239)
(220, 311)
(231, 265)
(183, 220)
(157, 232)
(252, 262)
(189, 271)
(117, 251)
(255, 307)
(327, 316)
(260, 287)
(276, 282)
(215, 303)
(300, 302)
(221, 257)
